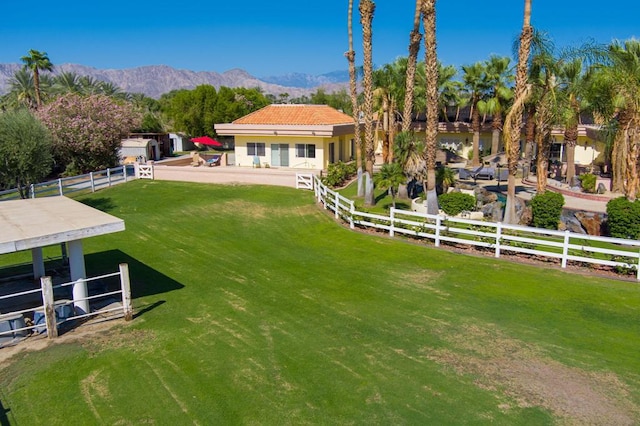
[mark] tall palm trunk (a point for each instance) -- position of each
(353, 91)
(431, 73)
(414, 47)
(367, 9)
(393, 107)
(514, 123)
(570, 142)
(619, 153)
(497, 128)
(36, 87)
(475, 127)
(529, 134)
(632, 164)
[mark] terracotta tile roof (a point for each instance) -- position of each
(297, 115)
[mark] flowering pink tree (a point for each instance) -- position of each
(87, 130)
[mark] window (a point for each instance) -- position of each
(305, 150)
(256, 148)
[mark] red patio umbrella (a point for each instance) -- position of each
(206, 140)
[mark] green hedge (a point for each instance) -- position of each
(546, 209)
(453, 203)
(338, 173)
(623, 218)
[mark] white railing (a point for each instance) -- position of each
(51, 314)
(493, 237)
(87, 182)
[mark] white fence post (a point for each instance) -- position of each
(60, 190)
(337, 205)
(109, 177)
(498, 236)
(438, 222)
(565, 248)
(49, 308)
(32, 190)
(93, 183)
(391, 217)
(126, 292)
(352, 210)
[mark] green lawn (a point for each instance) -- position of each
(254, 307)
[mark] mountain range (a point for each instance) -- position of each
(154, 80)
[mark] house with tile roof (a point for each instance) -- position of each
(295, 136)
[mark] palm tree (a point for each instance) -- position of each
(353, 92)
(475, 81)
(37, 61)
(21, 89)
(446, 178)
(67, 82)
(367, 9)
(388, 83)
(513, 121)
(409, 153)
(572, 85)
(449, 90)
(431, 74)
(414, 47)
(390, 176)
(542, 78)
(615, 94)
(499, 77)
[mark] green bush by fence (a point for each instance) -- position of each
(623, 218)
(546, 209)
(454, 203)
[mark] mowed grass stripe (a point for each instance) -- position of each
(259, 308)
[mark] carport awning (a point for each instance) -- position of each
(41, 222)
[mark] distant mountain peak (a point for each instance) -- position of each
(155, 80)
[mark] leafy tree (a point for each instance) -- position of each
(390, 176)
(37, 61)
(25, 151)
(87, 131)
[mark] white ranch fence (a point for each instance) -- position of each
(47, 317)
(497, 238)
(88, 182)
(304, 181)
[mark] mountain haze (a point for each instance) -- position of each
(154, 80)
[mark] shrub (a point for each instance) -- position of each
(546, 209)
(588, 182)
(623, 218)
(453, 203)
(338, 173)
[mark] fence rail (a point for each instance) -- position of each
(52, 313)
(491, 236)
(87, 182)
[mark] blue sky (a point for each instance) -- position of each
(283, 36)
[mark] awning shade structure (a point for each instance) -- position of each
(206, 140)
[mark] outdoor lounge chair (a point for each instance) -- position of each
(214, 160)
(256, 161)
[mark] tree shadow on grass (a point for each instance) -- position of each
(145, 281)
(4, 420)
(104, 204)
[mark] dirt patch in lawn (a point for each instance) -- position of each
(94, 337)
(521, 375)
